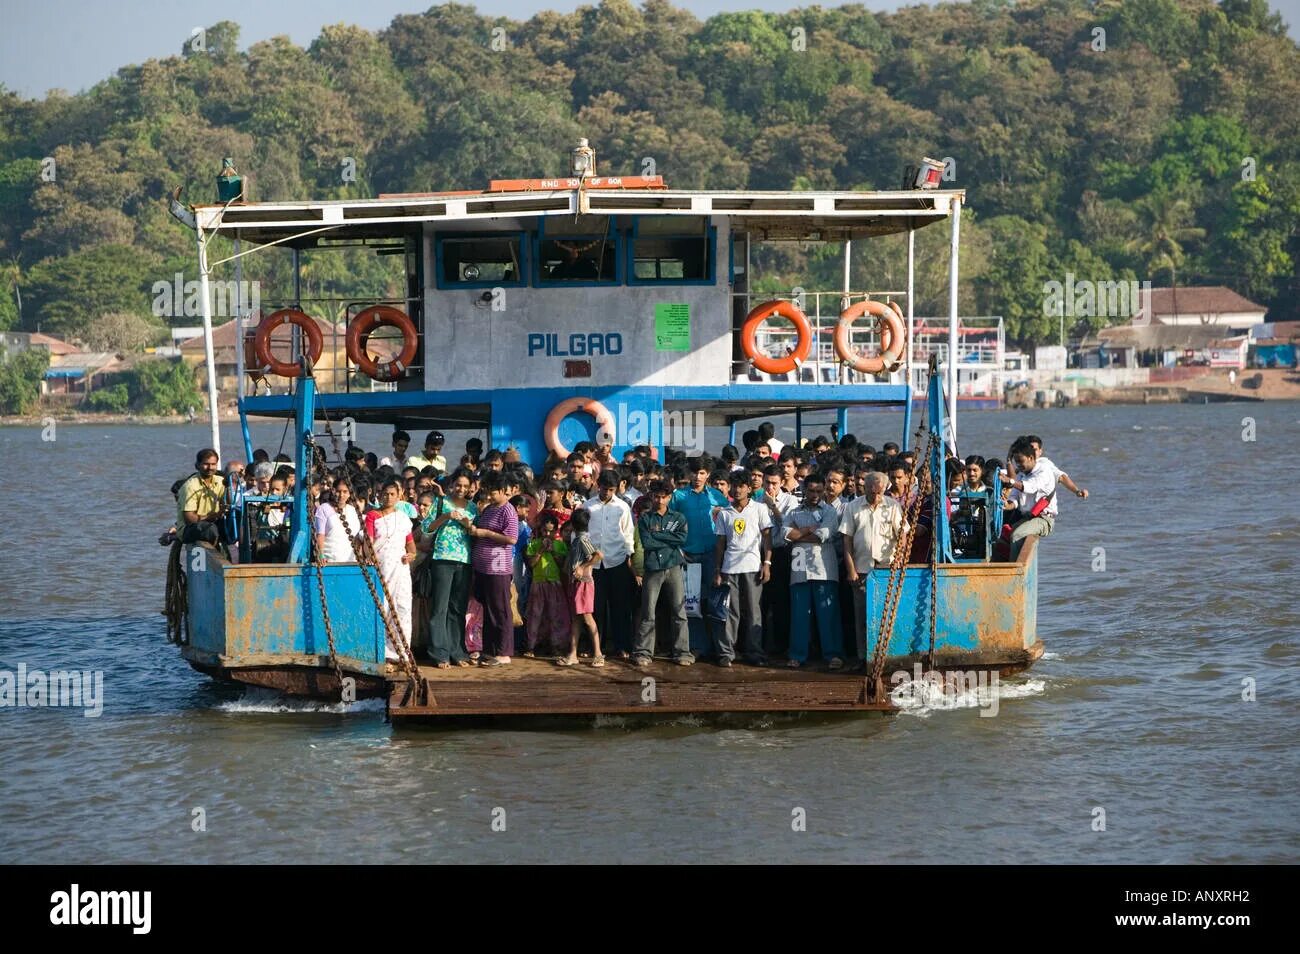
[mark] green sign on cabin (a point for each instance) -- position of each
(672, 327)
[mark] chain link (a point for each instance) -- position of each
(897, 570)
(365, 554)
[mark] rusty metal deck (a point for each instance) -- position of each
(539, 687)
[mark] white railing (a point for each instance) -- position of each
(981, 353)
(777, 337)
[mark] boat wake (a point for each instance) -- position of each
(270, 701)
(924, 698)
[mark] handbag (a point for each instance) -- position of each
(1042, 505)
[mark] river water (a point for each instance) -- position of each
(1166, 707)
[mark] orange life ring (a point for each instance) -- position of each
(892, 337)
(551, 430)
(749, 337)
(262, 341)
(363, 326)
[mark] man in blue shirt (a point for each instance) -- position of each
(697, 504)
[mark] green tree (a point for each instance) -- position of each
(115, 399)
(20, 380)
(1020, 264)
(122, 331)
(162, 386)
(1164, 228)
(67, 293)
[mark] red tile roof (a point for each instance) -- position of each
(1201, 300)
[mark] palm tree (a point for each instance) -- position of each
(1165, 224)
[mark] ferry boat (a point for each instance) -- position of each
(546, 311)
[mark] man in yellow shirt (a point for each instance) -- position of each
(201, 501)
(432, 454)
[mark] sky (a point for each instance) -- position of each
(71, 45)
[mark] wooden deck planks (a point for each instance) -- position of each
(539, 687)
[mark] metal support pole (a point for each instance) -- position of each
(951, 434)
(206, 306)
(798, 425)
(295, 350)
(240, 306)
(848, 262)
(303, 416)
(911, 327)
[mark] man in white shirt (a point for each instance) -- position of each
(397, 460)
(611, 533)
(1061, 476)
(744, 560)
(766, 435)
(1033, 481)
(814, 577)
(870, 527)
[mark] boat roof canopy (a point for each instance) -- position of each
(769, 216)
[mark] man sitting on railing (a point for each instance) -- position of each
(200, 503)
(1034, 485)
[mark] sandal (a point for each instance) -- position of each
(529, 655)
(598, 661)
(566, 661)
(464, 662)
(443, 665)
(792, 664)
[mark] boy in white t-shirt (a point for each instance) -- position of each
(744, 561)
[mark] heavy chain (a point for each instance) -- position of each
(934, 584)
(318, 560)
(365, 554)
(177, 600)
(897, 570)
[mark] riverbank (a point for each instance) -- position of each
(1180, 385)
(65, 415)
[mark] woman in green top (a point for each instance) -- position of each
(444, 535)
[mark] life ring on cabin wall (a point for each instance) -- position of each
(551, 429)
(363, 326)
(262, 341)
(892, 337)
(749, 337)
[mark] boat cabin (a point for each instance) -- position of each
(617, 289)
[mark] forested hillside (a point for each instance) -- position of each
(1147, 139)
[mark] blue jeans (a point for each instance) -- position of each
(821, 597)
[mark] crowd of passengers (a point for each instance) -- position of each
(589, 557)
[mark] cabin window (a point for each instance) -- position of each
(581, 253)
(671, 250)
(481, 261)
